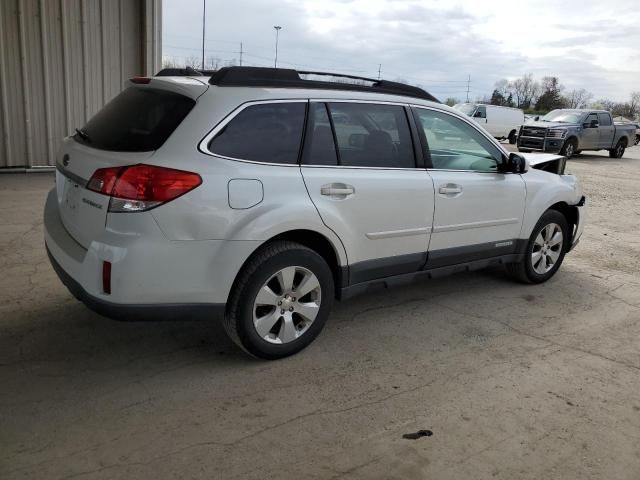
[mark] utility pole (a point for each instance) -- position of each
(204, 14)
(240, 53)
(468, 86)
(275, 62)
(379, 68)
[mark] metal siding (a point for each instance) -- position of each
(61, 61)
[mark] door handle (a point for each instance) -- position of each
(339, 190)
(450, 189)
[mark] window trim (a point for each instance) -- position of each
(203, 145)
(472, 124)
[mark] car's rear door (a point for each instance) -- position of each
(606, 130)
(478, 209)
(360, 170)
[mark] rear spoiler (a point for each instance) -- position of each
(184, 72)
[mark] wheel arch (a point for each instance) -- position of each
(570, 212)
(316, 241)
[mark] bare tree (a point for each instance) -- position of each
(578, 98)
(193, 62)
(525, 90)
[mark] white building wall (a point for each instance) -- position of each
(61, 61)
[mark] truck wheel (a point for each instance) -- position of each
(512, 137)
(280, 300)
(637, 139)
(545, 250)
(618, 150)
(569, 148)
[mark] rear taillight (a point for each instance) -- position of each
(141, 187)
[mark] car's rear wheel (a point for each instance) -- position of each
(637, 139)
(569, 148)
(618, 150)
(512, 137)
(280, 301)
(545, 249)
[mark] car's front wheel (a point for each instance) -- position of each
(545, 249)
(569, 148)
(280, 301)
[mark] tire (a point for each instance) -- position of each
(569, 148)
(530, 270)
(512, 137)
(285, 329)
(577, 152)
(637, 140)
(618, 150)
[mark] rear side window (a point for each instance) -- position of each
(269, 133)
(137, 120)
(372, 135)
(604, 119)
(320, 148)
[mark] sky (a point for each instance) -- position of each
(590, 44)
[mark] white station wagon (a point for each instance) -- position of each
(259, 196)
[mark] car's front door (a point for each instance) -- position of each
(360, 171)
(478, 209)
(590, 138)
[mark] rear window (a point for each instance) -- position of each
(137, 120)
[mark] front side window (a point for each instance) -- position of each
(269, 133)
(591, 118)
(481, 112)
(455, 145)
(372, 135)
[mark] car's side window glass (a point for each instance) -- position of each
(372, 135)
(455, 145)
(320, 149)
(604, 119)
(591, 118)
(269, 133)
(481, 112)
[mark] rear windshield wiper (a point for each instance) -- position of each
(83, 134)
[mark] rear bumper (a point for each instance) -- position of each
(137, 312)
(151, 277)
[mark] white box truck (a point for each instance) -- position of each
(500, 122)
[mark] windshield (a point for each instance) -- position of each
(466, 108)
(564, 116)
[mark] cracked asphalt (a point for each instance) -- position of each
(515, 381)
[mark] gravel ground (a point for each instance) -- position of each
(513, 381)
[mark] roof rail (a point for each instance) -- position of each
(184, 72)
(289, 78)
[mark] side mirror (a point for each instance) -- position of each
(517, 163)
(594, 124)
(477, 115)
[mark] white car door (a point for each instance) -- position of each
(478, 209)
(360, 171)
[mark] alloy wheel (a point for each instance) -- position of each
(547, 248)
(287, 305)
